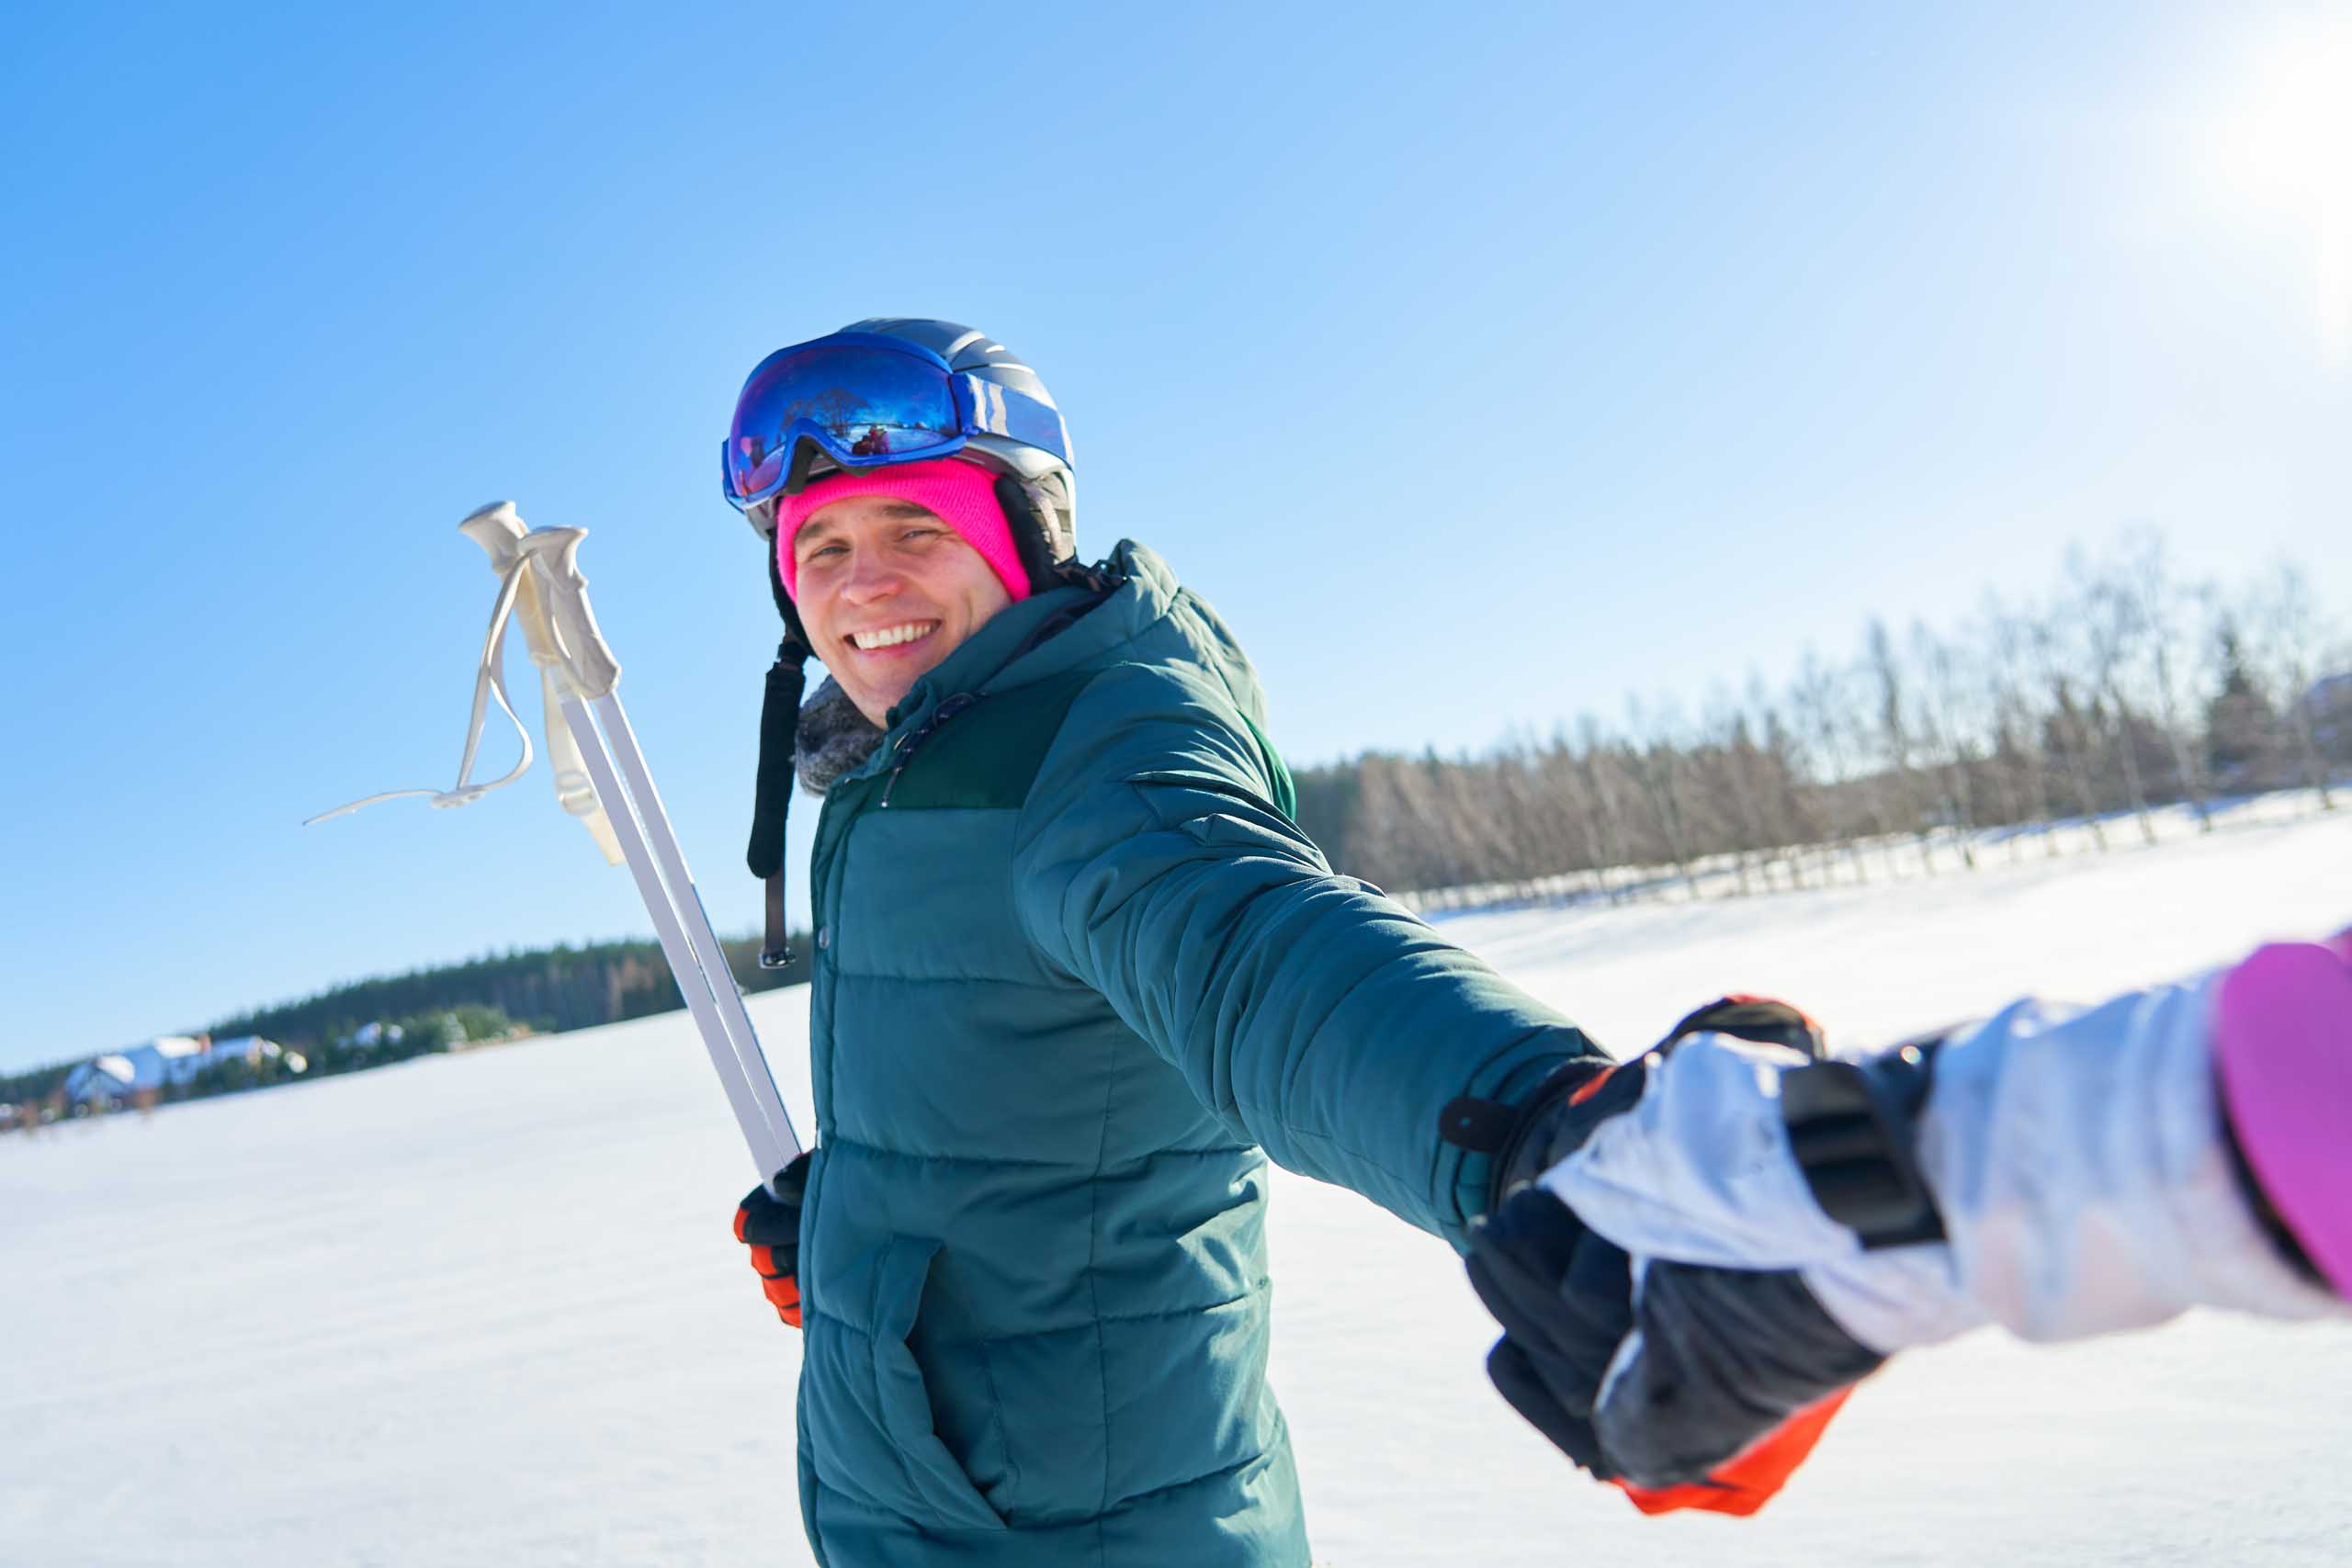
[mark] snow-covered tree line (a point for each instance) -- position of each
(2130, 686)
(373, 1022)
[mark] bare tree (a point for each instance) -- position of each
(1821, 716)
(1400, 841)
(2172, 616)
(1785, 827)
(1605, 782)
(1945, 731)
(1894, 738)
(2054, 641)
(2287, 647)
(2020, 764)
(2112, 634)
(1565, 778)
(1729, 780)
(1659, 770)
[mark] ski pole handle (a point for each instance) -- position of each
(552, 600)
(554, 555)
(498, 528)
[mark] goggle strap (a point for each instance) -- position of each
(805, 453)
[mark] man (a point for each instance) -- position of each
(1079, 974)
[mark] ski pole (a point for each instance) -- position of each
(602, 778)
(587, 679)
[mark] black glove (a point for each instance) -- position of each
(1565, 1299)
(769, 1226)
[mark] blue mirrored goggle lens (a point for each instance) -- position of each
(861, 404)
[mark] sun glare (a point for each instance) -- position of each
(2279, 145)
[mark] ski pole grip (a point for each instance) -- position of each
(587, 659)
(498, 528)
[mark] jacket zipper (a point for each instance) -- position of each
(940, 716)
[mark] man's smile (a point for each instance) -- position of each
(898, 636)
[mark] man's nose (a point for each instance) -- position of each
(870, 577)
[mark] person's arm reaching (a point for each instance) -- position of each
(1738, 1233)
(1315, 1016)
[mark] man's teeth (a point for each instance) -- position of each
(890, 637)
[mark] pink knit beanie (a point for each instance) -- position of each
(961, 494)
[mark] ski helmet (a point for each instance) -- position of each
(1050, 489)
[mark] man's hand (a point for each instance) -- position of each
(1689, 1386)
(769, 1226)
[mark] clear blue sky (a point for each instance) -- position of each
(1482, 366)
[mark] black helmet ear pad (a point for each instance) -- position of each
(1033, 531)
(794, 635)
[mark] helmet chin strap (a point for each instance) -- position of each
(787, 678)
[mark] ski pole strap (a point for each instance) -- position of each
(490, 683)
(1851, 1128)
(771, 790)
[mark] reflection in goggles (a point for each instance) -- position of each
(869, 401)
(870, 404)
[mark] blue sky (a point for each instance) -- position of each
(1481, 370)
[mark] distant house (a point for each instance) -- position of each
(2329, 704)
(100, 1081)
(251, 1049)
(168, 1061)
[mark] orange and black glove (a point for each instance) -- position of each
(1739, 1371)
(770, 1226)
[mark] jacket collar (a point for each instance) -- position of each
(1043, 635)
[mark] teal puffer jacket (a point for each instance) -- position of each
(1077, 975)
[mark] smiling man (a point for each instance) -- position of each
(1078, 975)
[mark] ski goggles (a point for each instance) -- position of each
(862, 400)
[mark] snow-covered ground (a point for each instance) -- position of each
(485, 1309)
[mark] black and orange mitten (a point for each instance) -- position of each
(769, 1223)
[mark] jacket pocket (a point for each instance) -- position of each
(904, 1402)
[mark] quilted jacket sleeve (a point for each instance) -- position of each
(1316, 1017)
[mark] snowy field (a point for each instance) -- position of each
(485, 1309)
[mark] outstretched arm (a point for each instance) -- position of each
(1315, 1016)
(1740, 1233)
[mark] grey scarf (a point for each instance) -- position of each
(834, 739)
